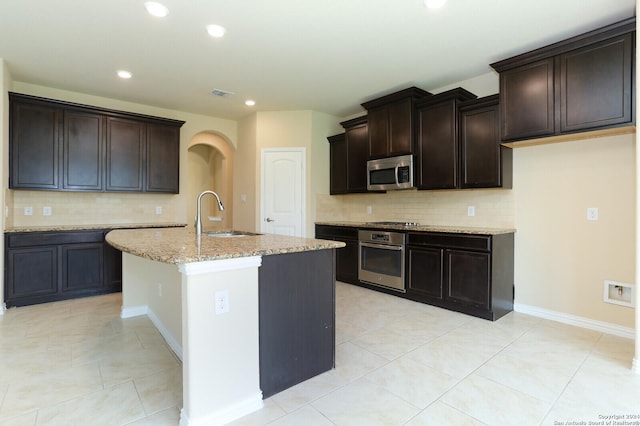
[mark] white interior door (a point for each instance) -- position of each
(283, 191)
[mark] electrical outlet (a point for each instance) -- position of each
(46, 211)
(158, 209)
(222, 302)
(28, 211)
(160, 289)
(471, 210)
(369, 209)
(592, 213)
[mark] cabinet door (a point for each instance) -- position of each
(425, 271)
(437, 147)
(595, 85)
(468, 277)
(83, 151)
(337, 164)
(527, 100)
(125, 149)
(82, 267)
(480, 148)
(163, 159)
(31, 272)
(357, 147)
(378, 131)
(347, 262)
(112, 268)
(34, 146)
(400, 128)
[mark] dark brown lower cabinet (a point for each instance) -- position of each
(472, 274)
(44, 267)
(346, 257)
(297, 318)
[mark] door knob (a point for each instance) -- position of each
(269, 220)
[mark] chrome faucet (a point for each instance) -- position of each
(198, 208)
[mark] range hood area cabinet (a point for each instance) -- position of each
(348, 158)
(580, 84)
(392, 123)
(61, 146)
(459, 143)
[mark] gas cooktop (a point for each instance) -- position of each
(394, 223)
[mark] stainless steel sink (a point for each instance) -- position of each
(231, 234)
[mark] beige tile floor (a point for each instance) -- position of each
(397, 363)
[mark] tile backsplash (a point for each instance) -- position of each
(88, 208)
(494, 208)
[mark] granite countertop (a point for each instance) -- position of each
(424, 228)
(46, 228)
(181, 245)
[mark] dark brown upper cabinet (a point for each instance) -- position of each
(348, 157)
(62, 146)
(125, 154)
(163, 158)
(484, 162)
(580, 84)
(338, 158)
(34, 145)
(392, 123)
(438, 153)
(83, 147)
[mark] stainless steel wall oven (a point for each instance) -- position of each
(381, 258)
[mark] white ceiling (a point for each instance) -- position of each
(327, 56)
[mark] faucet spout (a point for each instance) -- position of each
(199, 207)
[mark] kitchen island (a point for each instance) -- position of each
(248, 315)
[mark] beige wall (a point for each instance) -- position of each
(561, 258)
(283, 129)
(95, 208)
(245, 177)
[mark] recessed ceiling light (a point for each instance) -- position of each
(434, 4)
(216, 31)
(249, 102)
(124, 74)
(156, 9)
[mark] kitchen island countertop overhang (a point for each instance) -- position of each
(182, 245)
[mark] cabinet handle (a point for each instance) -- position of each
(269, 220)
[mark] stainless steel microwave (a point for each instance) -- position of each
(390, 173)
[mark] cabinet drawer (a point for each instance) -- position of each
(470, 242)
(336, 232)
(31, 239)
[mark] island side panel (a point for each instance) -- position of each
(221, 353)
(297, 318)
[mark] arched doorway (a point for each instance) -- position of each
(210, 167)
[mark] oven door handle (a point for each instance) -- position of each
(382, 246)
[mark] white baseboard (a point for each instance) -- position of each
(133, 311)
(603, 327)
(226, 415)
(136, 311)
(175, 346)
